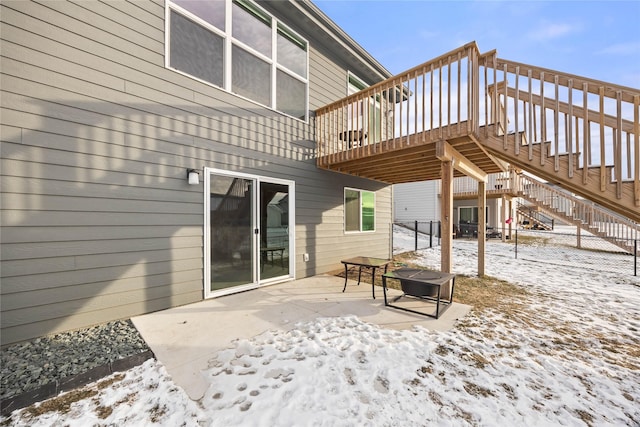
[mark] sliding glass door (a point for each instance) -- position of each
(274, 230)
(231, 225)
(248, 239)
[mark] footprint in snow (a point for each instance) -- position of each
(381, 385)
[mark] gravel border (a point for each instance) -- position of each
(43, 367)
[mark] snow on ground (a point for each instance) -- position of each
(567, 354)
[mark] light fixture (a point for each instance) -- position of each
(193, 176)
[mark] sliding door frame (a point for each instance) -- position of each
(255, 265)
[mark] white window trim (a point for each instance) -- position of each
(357, 79)
(229, 41)
(359, 190)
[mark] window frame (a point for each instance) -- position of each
(229, 42)
(195, 22)
(361, 218)
(474, 214)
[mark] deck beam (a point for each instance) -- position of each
(446, 153)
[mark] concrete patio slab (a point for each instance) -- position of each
(185, 338)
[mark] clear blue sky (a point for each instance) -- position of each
(596, 39)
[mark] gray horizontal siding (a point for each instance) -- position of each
(60, 263)
(97, 220)
(329, 80)
(127, 288)
(416, 201)
(27, 327)
(80, 233)
(77, 21)
(324, 237)
(16, 251)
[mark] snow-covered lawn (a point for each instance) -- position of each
(563, 350)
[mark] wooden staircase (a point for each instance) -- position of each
(479, 113)
(532, 214)
(585, 215)
(572, 131)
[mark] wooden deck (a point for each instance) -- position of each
(457, 109)
(411, 158)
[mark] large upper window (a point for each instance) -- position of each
(359, 210)
(196, 50)
(252, 27)
(236, 45)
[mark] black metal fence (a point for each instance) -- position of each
(470, 230)
(579, 249)
(582, 249)
(415, 235)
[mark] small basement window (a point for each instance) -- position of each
(359, 210)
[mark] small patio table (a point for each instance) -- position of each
(421, 284)
(366, 262)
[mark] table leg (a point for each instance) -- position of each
(346, 274)
(373, 282)
(384, 281)
(453, 285)
(384, 289)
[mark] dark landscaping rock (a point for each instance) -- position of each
(31, 370)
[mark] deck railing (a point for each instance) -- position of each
(574, 122)
(500, 183)
(558, 203)
(583, 213)
(440, 95)
(559, 124)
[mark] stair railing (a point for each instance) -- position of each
(537, 215)
(575, 122)
(580, 212)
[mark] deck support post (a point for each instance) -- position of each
(482, 225)
(446, 215)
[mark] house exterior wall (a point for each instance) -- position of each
(417, 201)
(493, 215)
(420, 201)
(98, 221)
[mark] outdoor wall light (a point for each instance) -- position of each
(193, 176)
